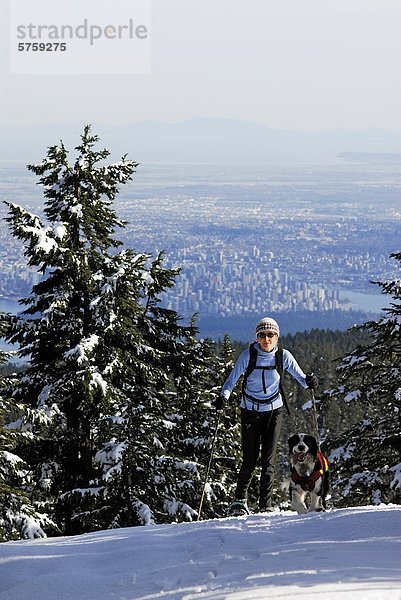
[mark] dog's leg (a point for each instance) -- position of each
(315, 503)
(325, 490)
(298, 502)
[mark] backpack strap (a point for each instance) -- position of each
(280, 370)
(253, 354)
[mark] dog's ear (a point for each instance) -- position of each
(292, 441)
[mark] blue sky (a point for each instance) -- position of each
(307, 64)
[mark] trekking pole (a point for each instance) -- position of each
(209, 465)
(314, 413)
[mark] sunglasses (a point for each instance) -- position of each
(269, 335)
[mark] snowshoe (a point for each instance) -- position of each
(238, 508)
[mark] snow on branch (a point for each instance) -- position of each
(144, 513)
(97, 381)
(352, 361)
(11, 465)
(31, 528)
(355, 395)
(396, 482)
(186, 465)
(110, 457)
(29, 226)
(174, 507)
(366, 478)
(343, 453)
(83, 349)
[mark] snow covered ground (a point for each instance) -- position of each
(352, 553)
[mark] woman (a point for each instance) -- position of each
(261, 411)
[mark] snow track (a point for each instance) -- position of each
(341, 554)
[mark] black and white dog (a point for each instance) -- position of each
(309, 483)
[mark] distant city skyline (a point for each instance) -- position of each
(288, 64)
(256, 239)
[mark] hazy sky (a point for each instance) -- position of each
(310, 64)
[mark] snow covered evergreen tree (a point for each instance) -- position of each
(164, 420)
(103, 354)
(228, 453)
(366, 457)
(18, 517)
(222, 477)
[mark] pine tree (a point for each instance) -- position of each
(228, 447)
(164, 419)
(366, 457)
(18, 517)
(102, 351)
(193, 419)
(225, 424)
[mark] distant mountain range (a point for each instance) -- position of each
(205, 139)
(371, 157)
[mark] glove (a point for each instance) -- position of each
(218, 403)
(311, 381)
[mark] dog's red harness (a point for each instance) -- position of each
(308, 483)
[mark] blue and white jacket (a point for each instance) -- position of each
(255, 387)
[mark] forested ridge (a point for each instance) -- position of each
(110, 422)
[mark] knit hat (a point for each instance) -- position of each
(267, 324)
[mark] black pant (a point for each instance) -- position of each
(260, 430)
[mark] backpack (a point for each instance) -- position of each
(253, 354)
